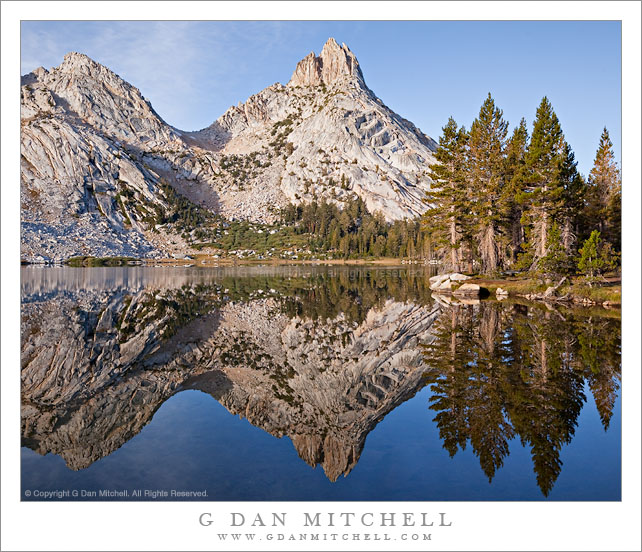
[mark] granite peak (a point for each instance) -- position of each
(95, 156)
(334, 64)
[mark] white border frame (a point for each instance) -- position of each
(174, 526)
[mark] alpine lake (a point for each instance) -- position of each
(310, 383)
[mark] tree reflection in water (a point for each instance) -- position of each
(499, 370)
(321, 355)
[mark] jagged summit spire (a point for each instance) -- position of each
(335, 63)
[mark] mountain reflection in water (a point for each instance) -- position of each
(320, 355)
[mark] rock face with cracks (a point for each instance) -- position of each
(94, 152)
(326, 135)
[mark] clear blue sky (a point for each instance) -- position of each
(425, 71)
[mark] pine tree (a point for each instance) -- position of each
(379, 246)
(605, 190)
(513, 176)
(596, 257)
(613, 228)
(543, 194)
(557, 261)
(446, 218)
(486, 167)
(573, 199)
(393, 241)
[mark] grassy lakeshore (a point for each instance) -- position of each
(609, 292)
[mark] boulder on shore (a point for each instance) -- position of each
(435, 281)
(444, 281)
(501, 293)
(444, 285)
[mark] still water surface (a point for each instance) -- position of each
(298, 383)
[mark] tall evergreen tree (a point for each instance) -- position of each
(447, 217)
(543, 194)
(513, 175)
(557, 261)
(605, 190)
(486, 166)
(573, 199)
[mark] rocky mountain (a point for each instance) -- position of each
(98, 363)
(102, 174)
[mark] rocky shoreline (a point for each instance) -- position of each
(456, 287)
(448, 288)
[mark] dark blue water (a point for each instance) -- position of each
(189, 441)
(193, 443)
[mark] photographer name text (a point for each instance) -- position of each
(331, 519)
